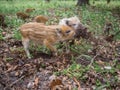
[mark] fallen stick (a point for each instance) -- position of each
(79, 87)
(94, 58)
(14, 82)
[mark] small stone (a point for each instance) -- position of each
(30, 85)
(108, 67)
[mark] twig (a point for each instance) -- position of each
(79, 87)
(92, 60)
(14, 82)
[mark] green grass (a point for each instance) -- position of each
(94, 19)
(1, 36)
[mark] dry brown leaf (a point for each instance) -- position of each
(36, 81)
(79, 86)
(10, 68)
(17, 73)
(27, 65)
(59, 87)
(54, 83)
(100, 62)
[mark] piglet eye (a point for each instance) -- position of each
(73, 24)
(68, 31)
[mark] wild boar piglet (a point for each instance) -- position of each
(45, 35)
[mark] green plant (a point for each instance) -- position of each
(1, 36)
(16, 34)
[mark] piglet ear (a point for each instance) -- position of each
(67, 22)
(58, 30)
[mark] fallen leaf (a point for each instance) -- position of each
(108, 67)
(100, 62)
(54, 83)
(36, 81)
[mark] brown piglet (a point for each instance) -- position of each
(45, 35)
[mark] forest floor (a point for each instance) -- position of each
(90, 65)
(19, 73)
